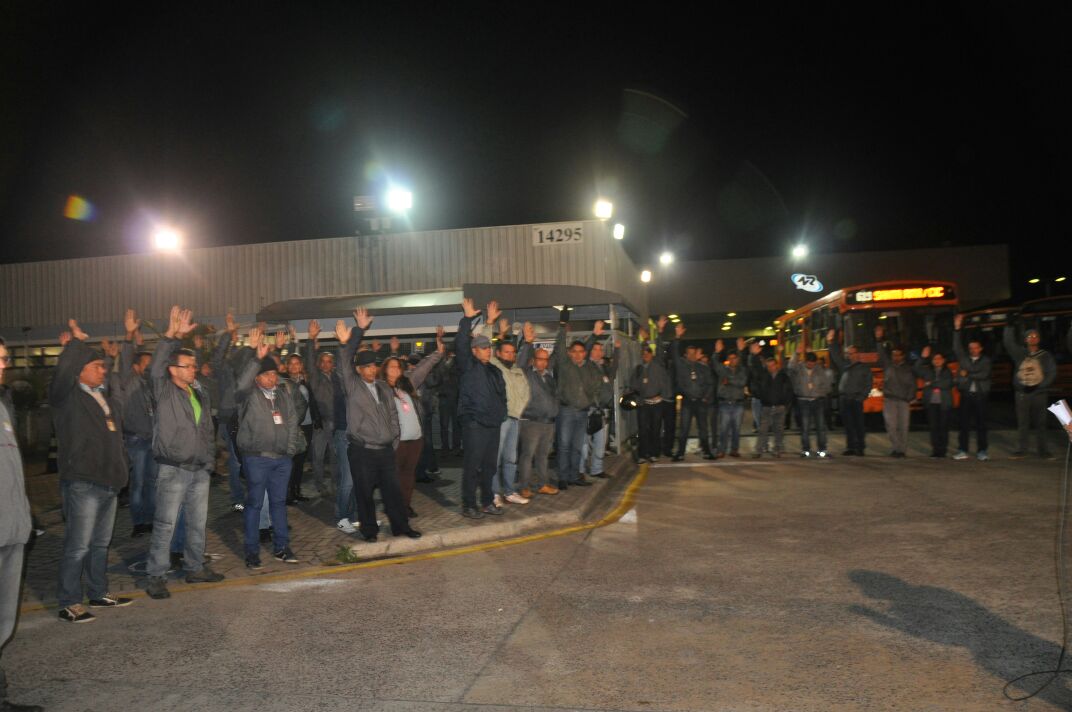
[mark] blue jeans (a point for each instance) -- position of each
(143, 471)
(729, 426)
(812, 417)
(506, 468)
(179, 490)
(271, 475)
(345, 502)
(594, 445)
(89, 509)
(234, 465)
(572, 431)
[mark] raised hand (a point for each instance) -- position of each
(468, 308)
(597, 329)
(528, 332)
(186, 323)
(342, 331)
(831, 336)
(362, 317)
(925, 353)
(719, 346)
(679, 330)
(504, 328)
(232, 326)
(173, 321)
(256, 336)
(742, 344)
(314, 329)
(138, 339)
(642, 335)
(292, 333)
(957, 321)
(493, 313)
(76, 331)
(440, 346)
(263, 349)
(131, 322)
(280, 339)
(755, 349)
(109, 347)
(65, 338)
(661, 322)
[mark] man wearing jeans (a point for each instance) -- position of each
(732, 378)
(1034, 371)
(504, 358)
(973, 382)
(578, 391)
(136, 398)
(595, 445)
(812, 387)
(225, 369)
(184, 446)
(93, 468)
(267, 438)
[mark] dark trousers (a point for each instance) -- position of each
(371, 469)
(448, 424)
(812, 420)
(669, 411)
(480, 458)
(973, 412)
(1031, 414)
(294, 489)
(852, 415)
(427, 461)
(693, 408)
(938, 419)
(649, 418)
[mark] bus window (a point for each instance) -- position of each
(817, 330)
(926, 327)
(860, 329)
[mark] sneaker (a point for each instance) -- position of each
(1048, 456)
(526, 493)
(960, 455)
(254, 562)
(982, 456)
(436, 471)
(157, 588)
(824, 453)
(345, 526)
(287, 556)
(205, 575)
(77, 614)
(515, 498)
(238, 507)
(547, 489)
(110, 601)
(805, 453)
(472, 513)
(492, 509)
(497, 500)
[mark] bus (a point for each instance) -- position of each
(914, 313)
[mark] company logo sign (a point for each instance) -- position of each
(807, 282)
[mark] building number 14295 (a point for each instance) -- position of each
(556, 234)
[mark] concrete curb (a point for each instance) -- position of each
(506, 527)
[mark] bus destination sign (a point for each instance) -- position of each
(871, 296)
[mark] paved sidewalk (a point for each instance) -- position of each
(315, 539)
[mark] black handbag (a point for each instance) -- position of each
(595, 421)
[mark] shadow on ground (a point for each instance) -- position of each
(943, 616)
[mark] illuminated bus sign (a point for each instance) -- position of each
(870, 296)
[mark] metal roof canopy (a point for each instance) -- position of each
(420, 312)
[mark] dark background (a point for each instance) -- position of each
(717, 134)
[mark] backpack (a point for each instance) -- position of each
(1030, 373)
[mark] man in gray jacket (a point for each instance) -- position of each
(652, 386)
(538, 418)
(811, 386)
(374, 433)
(267, 439)
(973, 382)
(1034, 371)
(15, 525)
(136, 396)
(898, 391)
(853, 389)
(732, 379)
(184, 446)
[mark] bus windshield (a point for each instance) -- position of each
(911, 328)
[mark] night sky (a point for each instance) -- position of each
(716, 134)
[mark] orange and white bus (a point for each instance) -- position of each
(914, 314)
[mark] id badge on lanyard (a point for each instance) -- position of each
(110, 422)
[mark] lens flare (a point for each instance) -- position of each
(78, 208)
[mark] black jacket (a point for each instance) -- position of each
(481, 390)
(88, 449)
(771, 390)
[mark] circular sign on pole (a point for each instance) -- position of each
(807, 282)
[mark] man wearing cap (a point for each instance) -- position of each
(184, 446)
(579, 383)
(481, 410)
(93, 468)
(374, 433)
(267, 439)
(1034, 371)
(812, 387)
(15, 524)
(136, 398)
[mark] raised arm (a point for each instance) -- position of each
(835, 351)
(958, 342)
(69, 364)
(526, 350)
(1016, 351)
(463, 340)
(351, 338)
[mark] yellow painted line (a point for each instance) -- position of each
(624, 505)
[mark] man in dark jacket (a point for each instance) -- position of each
(579, 383)
(374, 433)
(853, 389)
(225, 370)
(481, 410)
(732, 378)
(538, 419)
(319, 367)
(898, 390)
(696, 385)
(973, 382)
(184, 446)
(771, 385)
(450, 432)
(937, 398)
(1034, 371)
(595, 444)
(136, 398)
(93, 468)
(650, 382)
(267, 439)
(15, 523)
